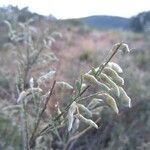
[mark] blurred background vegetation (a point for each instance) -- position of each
(78, 45)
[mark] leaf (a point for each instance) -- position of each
(78, 86)
(110, 101)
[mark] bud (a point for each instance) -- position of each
(115, 67)
(110, 101)
(114, 76)
(93, 71)
(86, 110)
(87, 121)
(110, 83)
(125, 98)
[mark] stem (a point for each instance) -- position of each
(25, 127)
(33, 136)
(111, 56)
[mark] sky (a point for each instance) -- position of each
(63, 9)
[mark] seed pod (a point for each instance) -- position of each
(75, 125)
(115, 46)
(89, 79)
(83, 86)
(125, 48)
(114, 76)
(86, 110)
(87, 121)
(21, 96)
(64, 85)
(97, 110)
(94, 103)
(70, 115)
(34, 90)
(110, 83)
(115, 67)
(110, 101)
(31, 82)
(125, 98)
(41, 80)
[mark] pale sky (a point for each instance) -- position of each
(63, 9)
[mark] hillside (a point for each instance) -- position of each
(106, 22)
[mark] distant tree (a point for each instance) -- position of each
(140, 22)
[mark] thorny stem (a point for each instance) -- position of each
(80, 94)
(33, 136)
